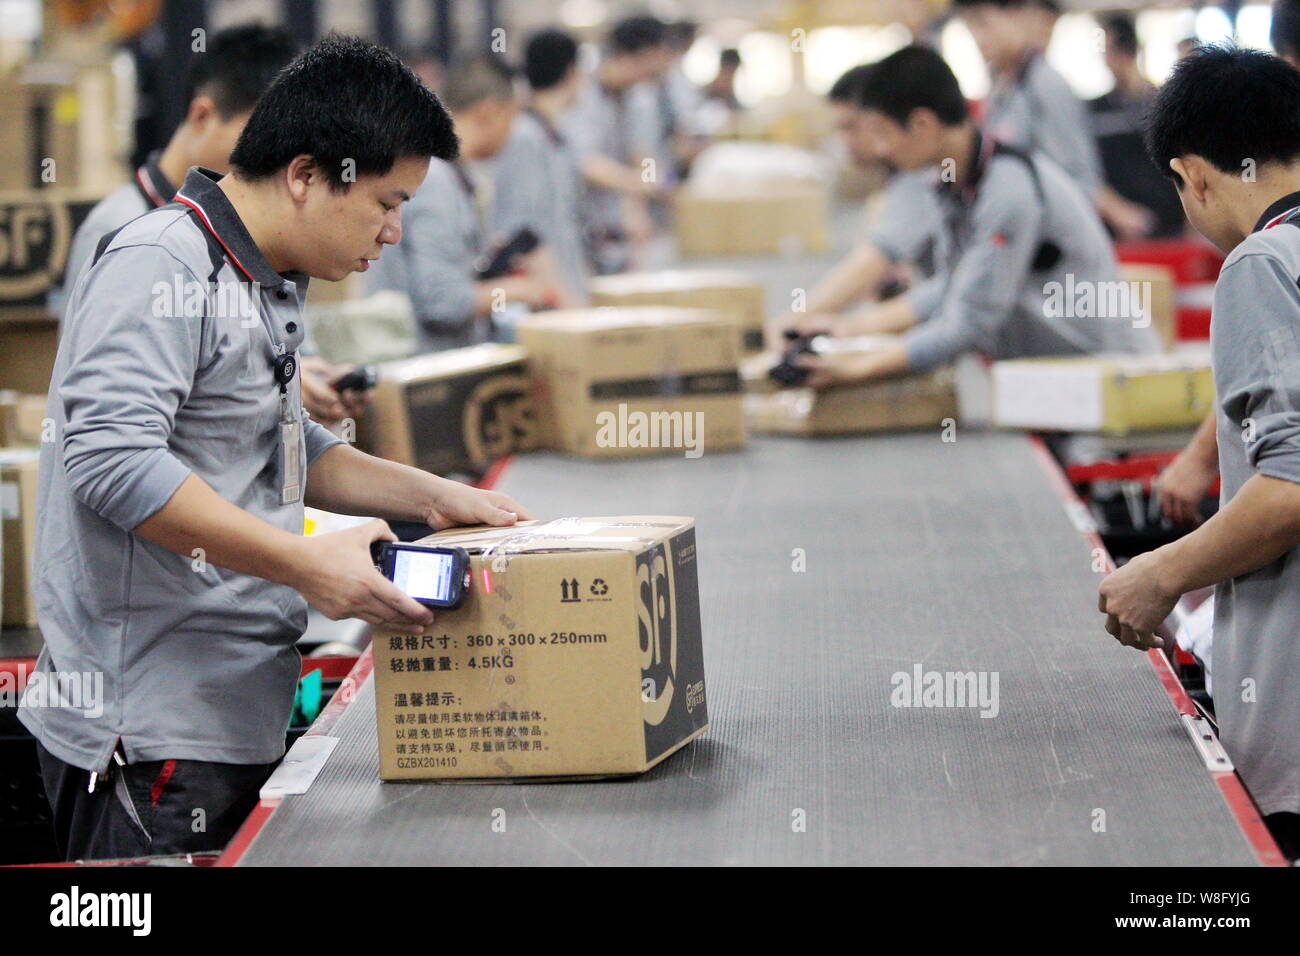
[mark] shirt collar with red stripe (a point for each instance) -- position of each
(1277, 211)
(153, 183)
(206, 200)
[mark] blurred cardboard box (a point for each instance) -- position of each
(60, 128)
(36, 230)
(787, 219)
(1158, 291)
(27, 351)
(635, 381)
(726, 291)
(21, 418)
(897, 404)
(452, 412)
(577, 653)
(1113, 394)
(18, 471)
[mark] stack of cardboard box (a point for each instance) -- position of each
(618, 382)
(732, 292)
(779, 218)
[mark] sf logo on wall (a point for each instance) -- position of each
(657, 622)
(34, 239)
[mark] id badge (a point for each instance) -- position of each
(290, 462)
(290, 454)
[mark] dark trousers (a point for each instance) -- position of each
(1285, 828)
(152, 808)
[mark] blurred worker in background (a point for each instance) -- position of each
(443, 234)
(1014, 228)
(1183, 485)
(1222, 109)
(899, 244)
(722, 88)
(609, 140)
(537, 184)
(1117, 125)
(1031, 107)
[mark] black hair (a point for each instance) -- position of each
(913, 78)
(345, 99)
(729, 57)
(1121, 33)
(681, 34)
(636, 34)
(1226, 104)
(476, 78)
(1051, 6)
(1284, 34)
(548, 57)
(238, 65)
(848, 87)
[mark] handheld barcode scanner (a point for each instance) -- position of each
(437, 577)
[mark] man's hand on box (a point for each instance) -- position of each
(338, 577)
(458, 504)
(836, 368)
(1136, 602)
(318, 396)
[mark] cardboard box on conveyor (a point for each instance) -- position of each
(619, 382)
(730, 291)
(896, 404)
(451, 412)
(576, 653)
(1110, 394)
(779, 218)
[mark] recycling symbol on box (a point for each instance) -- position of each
(599, 587)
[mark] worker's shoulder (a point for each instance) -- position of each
(116, 209)
(168, 232)
(1012, 177)
(1045, 79)
(1278, 247)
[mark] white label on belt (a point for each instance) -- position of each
(298, 770)
(10, 506)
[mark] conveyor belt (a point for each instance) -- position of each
(957, 556)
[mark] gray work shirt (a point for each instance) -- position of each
(599, 124)
(1036, 111)
(442, 236)
(906, 222)
(996, 294)
(1255, 351)
(538, 186)
(153, 384)
(148, 189)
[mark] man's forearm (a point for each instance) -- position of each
(196, 517)
(1259, 525)
(611, 174)
(1204, 445)
(888, 318)
(347, 481)
(852, 278)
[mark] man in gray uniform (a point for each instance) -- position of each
(609, 137)
(171, 575)
(445, 232)
(1017, 235)
(902, 229)
(1224, 110)
(1032, 108)
(537, 182)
